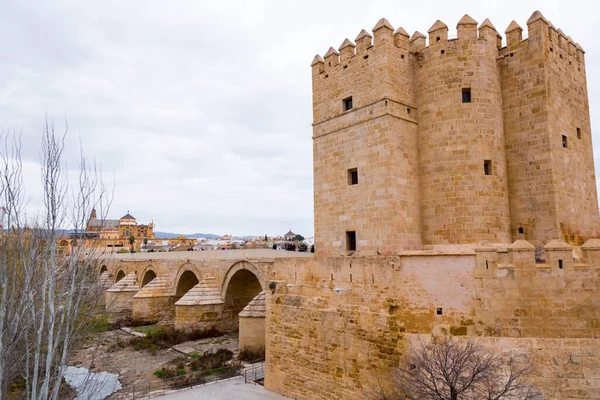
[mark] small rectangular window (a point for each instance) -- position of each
(487, 167)
(347, 103)
(564, 141)
(353, 176)
(560, 264)
(439, 311)
(466, 95)
(578, 133)
(351, 240)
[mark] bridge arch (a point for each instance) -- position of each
(120, 275)
(148, 275)
(188, 276)
(243, 282)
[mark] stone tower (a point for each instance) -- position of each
(456, 142)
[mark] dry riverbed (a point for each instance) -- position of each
(137, 367)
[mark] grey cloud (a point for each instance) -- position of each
(202, 110)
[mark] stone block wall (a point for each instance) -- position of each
(335, 325)
(435, 169)
(315, 351)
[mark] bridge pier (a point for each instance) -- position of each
(155, 302)
(201, 307)
(119, 297)
(252, 324)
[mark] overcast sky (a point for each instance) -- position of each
(201, 110)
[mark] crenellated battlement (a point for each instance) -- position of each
(538, 28)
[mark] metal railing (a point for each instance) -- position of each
(168, 385)
(255, 373)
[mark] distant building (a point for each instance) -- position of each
(122, 228)
(290, 235)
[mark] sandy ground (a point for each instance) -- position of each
(137, 367)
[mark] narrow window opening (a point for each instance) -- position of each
(330, 63)
(564, 141)
(408, 110)
(439, 311)
(551, 49)
(351, 240)
(442, 51)
(486, 265)
(372, 278)
(402, 56)
(521, 230)
(353, 176)
(437, 39)
(487, 167)
(386, 102)
(561, 56)
(347, 103)
(331, 276)
(560, 264)
(570, 63)
(466, 95)
(578, 133)
(350, 278)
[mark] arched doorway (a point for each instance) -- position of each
(120, 275)
(242, 287)
(148, 277)
(103, 269)
(187, 280)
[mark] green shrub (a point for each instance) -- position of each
(166, 373)
(252, 354)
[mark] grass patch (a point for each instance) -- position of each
(144, 329)
(102, 323)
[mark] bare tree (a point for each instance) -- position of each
(447, 368)
(47, 296)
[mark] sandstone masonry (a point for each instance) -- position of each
(460, 141)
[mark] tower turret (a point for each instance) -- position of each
(456, 141)
(462, 159)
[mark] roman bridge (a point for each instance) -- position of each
(191, 289)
